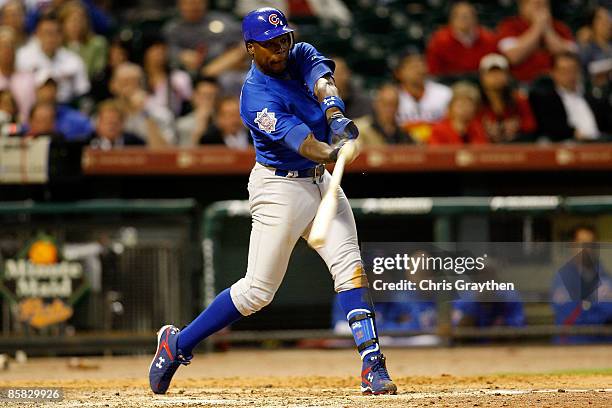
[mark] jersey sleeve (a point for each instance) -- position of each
(272, 119)
(312, 64)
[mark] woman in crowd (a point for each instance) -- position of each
(118, 53)
(169, 88)
(13, 15)
(19, 83)
(79, 37)
(460, 125)
(505, 113)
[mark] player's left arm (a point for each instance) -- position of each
(333, 106)
(317, 72)
(324, 87)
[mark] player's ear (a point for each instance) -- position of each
(249, 48)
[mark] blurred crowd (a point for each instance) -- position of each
(66, 71)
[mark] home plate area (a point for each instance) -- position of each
(536, 376)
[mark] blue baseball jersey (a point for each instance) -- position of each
(488, 314)
(577, 300)
(281, 111)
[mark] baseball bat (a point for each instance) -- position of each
(329, 202)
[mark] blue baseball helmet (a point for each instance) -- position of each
(264, 24)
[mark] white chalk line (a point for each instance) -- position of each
(495, 392)
(410, 395)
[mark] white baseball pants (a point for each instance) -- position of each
(282, 211)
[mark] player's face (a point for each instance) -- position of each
(271, 56)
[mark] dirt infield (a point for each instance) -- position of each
(457, 377)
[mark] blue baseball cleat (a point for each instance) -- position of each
(374, 376)
(167, 359)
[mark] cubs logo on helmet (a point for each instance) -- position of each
(274, 20)
(264, 24)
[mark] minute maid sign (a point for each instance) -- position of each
(40, 285)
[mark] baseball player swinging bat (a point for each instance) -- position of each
(292, 108)
(329, 203)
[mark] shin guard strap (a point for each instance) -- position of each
(367, 344)
(360, 316)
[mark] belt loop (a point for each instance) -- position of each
(319, 172)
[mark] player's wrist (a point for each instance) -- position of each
(331, 116)
(330, 102)
(333, 155)
(342, 127)
(330, 113)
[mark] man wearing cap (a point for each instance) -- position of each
(290, 104)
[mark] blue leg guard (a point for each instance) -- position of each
(360, 315)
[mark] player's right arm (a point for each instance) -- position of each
(317, 151)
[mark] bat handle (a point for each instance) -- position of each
(347, 151)
(329, 203)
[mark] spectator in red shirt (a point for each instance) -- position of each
(505, 114)
(460, 126)
(458, 47)
(530, 39)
